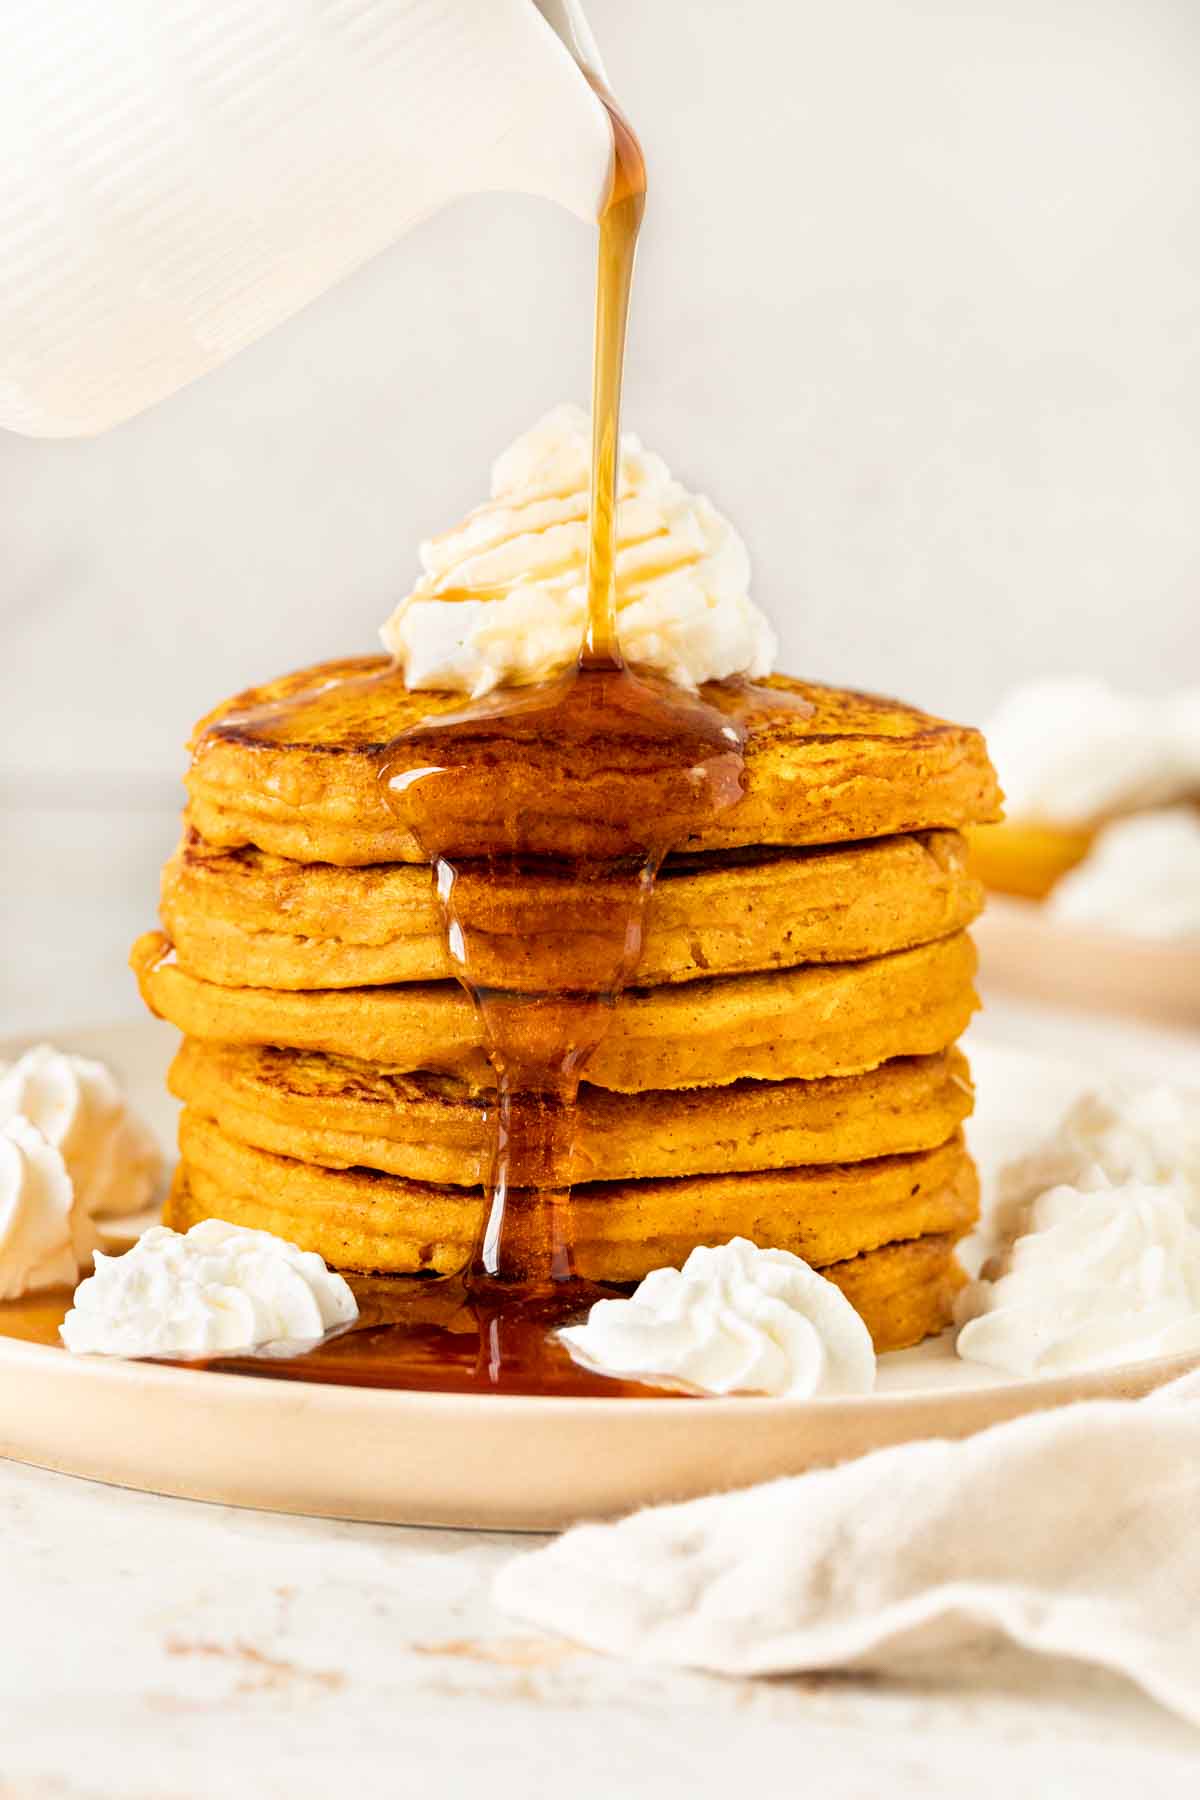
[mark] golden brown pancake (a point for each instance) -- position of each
(1025, 858)
(902, 1292)
(425, 1127)
(293, 767)
(833, 1019)
(243, 918)
(357, 1219)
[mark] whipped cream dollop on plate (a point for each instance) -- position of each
(502, 598)
(1099, 1242)
(1124, 1134)
(213, 1290)
(1141, 877)
(735, 1319)
(112, 1157)
(1099, 1279)
(74, 1152)
(1071, 750)
(38, 1236)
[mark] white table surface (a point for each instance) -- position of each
(155, 1649)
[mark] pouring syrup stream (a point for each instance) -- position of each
(619, 228)
(653, 763)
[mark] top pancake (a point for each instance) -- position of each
(293, 767)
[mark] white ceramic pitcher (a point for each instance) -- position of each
(178, 176)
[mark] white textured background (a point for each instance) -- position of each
(919, 305)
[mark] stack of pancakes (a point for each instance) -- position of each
(783, 1068)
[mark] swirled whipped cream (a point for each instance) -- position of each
(215, 1289)
(1141, 877)
(502, 599)
(1098, 1257)
(37, 1233)
(1099, 1279)
(112, 1159)
(1070, 750)
(1122, 1135)
(733, 1320)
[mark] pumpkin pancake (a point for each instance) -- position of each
(1027, 857)
(243, 918)
(831, 1019)
(357, 1219)
(902, 1292)
(433, 1128)
(293, 767)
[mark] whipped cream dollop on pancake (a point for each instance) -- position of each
(213, 1290)
(1070, 750)
(502, 599)
(736, 1319)
(1099, 1247)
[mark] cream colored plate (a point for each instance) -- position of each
(1024, 950)
(515, 1464)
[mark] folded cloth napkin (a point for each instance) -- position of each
(1074, 1533)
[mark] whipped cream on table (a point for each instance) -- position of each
(111, 1156)
(1099, 1235)
(736, 1319)
(502, 600)
(213, 1290)
(1140, 877)
(1071, 750)
(37, 1231)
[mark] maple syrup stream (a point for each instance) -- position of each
(600, 732)
(493, 1328)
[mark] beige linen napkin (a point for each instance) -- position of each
(1073, 1533)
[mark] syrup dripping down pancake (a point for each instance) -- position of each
(379, 1223)
(832, 1019)
(422, 1127)
(243, 918)
(904, 1291)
